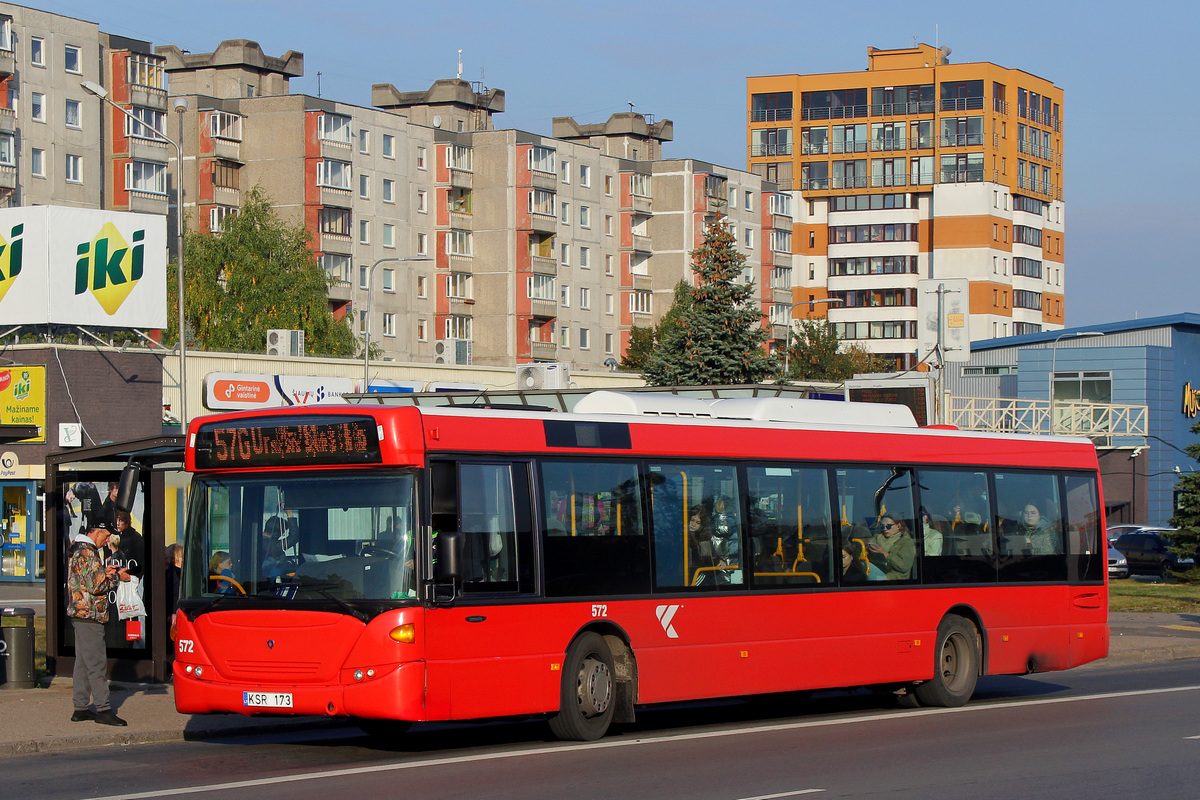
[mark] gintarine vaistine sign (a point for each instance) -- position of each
(78, 266)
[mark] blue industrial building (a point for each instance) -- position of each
(1120, 367)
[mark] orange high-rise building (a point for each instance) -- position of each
(918, 168)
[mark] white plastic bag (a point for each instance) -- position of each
(129, 599)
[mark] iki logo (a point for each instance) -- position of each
(108, 267)
(665, 615)
(23, 387)
(10, 258)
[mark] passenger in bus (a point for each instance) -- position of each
(713, 537)
(932, 534)
(1035, 535)
(220, 564)
(854, 568)
(893, 549)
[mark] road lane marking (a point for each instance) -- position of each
(1182, 627)
(605, 744)
(796, 793)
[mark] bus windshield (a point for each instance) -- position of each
(311, 536)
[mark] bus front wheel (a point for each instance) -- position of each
(957, 667)
(588, 691)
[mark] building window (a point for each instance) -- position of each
(37, 163)
(641, 302)
(421, 162)
(389, 235)
(458, 285)
(458, 326)
(224, 126)
(1023, 298)
(585, 257)
(608, 225)
(146, 176)
(225, 174)
(639, 185)
(608, 185)
(585, 298)
(541, 159)
(364, 186)
(147, 70)
(336, 265)
(364, 277)
(364, 231)
(585, 176)
(37, 106)
(148, 125)
(608, 344)
(900, 232)
(72, 117)
(71, 59)
(564, 337)
(565, 213)
(362, 322)
(540, 287)
(74, 169)
(458, 242)
(608, 264)
(585, 339)
(37, 53)
(389, 146)
(585, 217)
(422, 201)
(7, 155)
(364, 141)
(333, 174)
(541, 202)
(566, 172)
(389, 324)
(749, 240)
(422, 287)
(422, 330)
(608, 304)
(565, 296)
(458, 157)
(334, 128)
(218, 215)
(566, 255)
(781, 241)
(389, 190)
(422, 243)
(389, 280)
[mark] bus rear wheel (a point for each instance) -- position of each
(588, 690)
(957, 666)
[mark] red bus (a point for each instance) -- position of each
(396, 564)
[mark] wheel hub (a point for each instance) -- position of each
(595, 687)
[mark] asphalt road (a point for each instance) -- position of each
(1092, 733)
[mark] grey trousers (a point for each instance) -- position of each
(91, 663)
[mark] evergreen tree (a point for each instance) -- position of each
(718, 338)
(1186, 540)
(257, 273)
(816, 354)
(642, 341)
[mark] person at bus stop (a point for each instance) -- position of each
(174, 577)
(88, 583)
(1035, 535)
(893, 549)
(855, 569)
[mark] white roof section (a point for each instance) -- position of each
(657, 404)
(761, 409)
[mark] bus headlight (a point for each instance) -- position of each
(404, 634)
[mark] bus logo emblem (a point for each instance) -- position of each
(665, 615)
(270, 644)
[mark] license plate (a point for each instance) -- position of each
(267, 699)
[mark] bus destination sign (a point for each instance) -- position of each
(294, 441)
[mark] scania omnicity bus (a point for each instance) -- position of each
(396, 564)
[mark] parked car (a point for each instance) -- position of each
(1116, 531)
(1118, 565)
(1146, 551)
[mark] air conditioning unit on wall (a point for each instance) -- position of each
(286, 343)
(453, 351)
(543, 376)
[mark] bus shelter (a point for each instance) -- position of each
(78, 493)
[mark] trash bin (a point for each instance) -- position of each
(16, 648)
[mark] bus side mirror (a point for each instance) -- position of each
(127, 487)
(447, 565)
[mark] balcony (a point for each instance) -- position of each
(1064, 418)
(8, 63)
(543, 265)
(783, 260)
(547, 309)
(999, 106)
(8, 120)
(461, 179)
(336, 242)
(331, 196)
(543, 180)
(148, 96)
(8, 177)
(642, 283)
(782, 223)
(544, 351)
(962, 140)
(771, 115)
(906, 109)
(714, 203)
(228, 149)
(641, 205)
(840, 112)
(336, 149)
(962, 104)
(148, 202)
(342, 291)
(1037, 151)
(770, 150)
(850, 146)
(890, 143)
(641, 243)
(543, 223)
(889, 180)
(149, 150)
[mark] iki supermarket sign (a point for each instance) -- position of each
(83, 267)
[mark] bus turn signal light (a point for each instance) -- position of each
(405, 634)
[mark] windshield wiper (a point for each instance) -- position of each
(323, 588)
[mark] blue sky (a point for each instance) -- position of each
(1131, 108)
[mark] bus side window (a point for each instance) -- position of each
(1084, 543)
(790, 527)
(1031, 543)
(956, 537)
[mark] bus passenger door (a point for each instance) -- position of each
(1087, 565)
(480, 651)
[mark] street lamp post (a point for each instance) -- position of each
(367, 322)
(787, 341)
(1054, 364)
(180, 105)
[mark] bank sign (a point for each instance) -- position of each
(81, 266)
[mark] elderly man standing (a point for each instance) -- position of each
(88, 583)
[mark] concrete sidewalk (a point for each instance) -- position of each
(38, 720)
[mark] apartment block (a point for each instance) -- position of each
(918, 168)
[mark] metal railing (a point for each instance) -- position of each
(962, 139)
(962, 104)
(771, 115)
(902, 109)
(770, 150)
(840, 112)
(1061, 418)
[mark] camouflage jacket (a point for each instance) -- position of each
(87, 584)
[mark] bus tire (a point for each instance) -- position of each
(956, 665)
(588, 691)
(383, 728)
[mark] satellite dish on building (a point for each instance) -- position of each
(437, 120)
